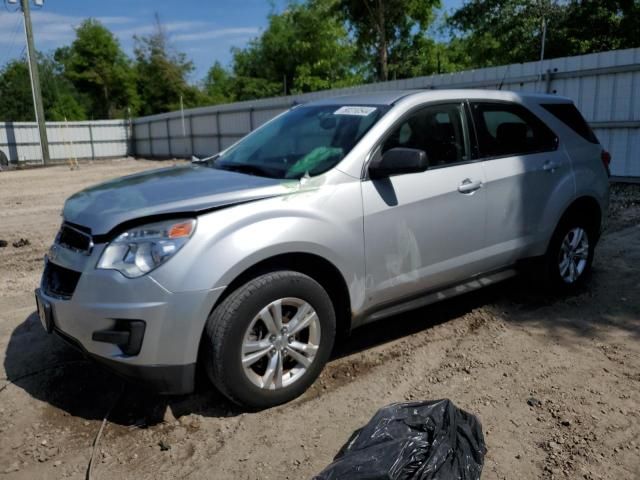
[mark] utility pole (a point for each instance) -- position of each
(35, 82)
(544, 38)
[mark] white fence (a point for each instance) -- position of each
(605, 86)
(19, 141)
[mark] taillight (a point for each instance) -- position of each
(606, 160)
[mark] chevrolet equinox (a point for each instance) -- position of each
(331, 215)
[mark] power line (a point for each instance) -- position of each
(14, 35)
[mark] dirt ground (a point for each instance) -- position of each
(555, 381)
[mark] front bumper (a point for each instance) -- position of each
(104, 300)
(163, 379)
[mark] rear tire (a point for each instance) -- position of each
(268, 341)
(567, 263)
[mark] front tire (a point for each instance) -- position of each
(268, 341)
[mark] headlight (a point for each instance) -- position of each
(142, 249)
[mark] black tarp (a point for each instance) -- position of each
(412, 441)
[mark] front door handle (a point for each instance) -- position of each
(550, 166)
(469, 186)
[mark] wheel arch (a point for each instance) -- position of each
(319, 268)
(587, 208)
(542, 267)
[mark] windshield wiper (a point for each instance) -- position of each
(210, 159)
(245, 168)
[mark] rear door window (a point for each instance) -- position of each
(505, 129)
(568, 114)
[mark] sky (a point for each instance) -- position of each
(205, 30)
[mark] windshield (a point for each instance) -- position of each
(304, 141)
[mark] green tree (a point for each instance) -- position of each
(16, 102)
(497, 32)
(303, 49)
(218, 85)
(162, 74)
(423, 55)
(98, 68)
(599, 25)
(254, 73)
(59, 97)
(386, 30)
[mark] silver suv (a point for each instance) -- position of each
(334, 214)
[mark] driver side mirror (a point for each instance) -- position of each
(398, 161)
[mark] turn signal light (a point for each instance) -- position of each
(180, 230)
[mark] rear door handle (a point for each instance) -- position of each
(469, 186)
(550, 166)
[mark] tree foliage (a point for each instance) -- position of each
(96, 65)
(497, 32)
(162, 74)
(385, 29)
(597, 26)
(312, 45)
(59, 97)
(303, 49)
(16, 103)
(219, 84)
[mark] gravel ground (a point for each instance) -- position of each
(555, 381)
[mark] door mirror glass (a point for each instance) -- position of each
(398, 161)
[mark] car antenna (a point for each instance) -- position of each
(503, 77)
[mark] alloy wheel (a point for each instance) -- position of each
(574, 254)
(280, 343)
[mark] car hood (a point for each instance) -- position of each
(185, 189)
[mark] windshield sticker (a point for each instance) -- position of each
(358, 111)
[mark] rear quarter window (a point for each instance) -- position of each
(568, 114)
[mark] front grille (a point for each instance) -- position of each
(59, 281)
(74, 239)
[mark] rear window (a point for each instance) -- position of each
(568, 114)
